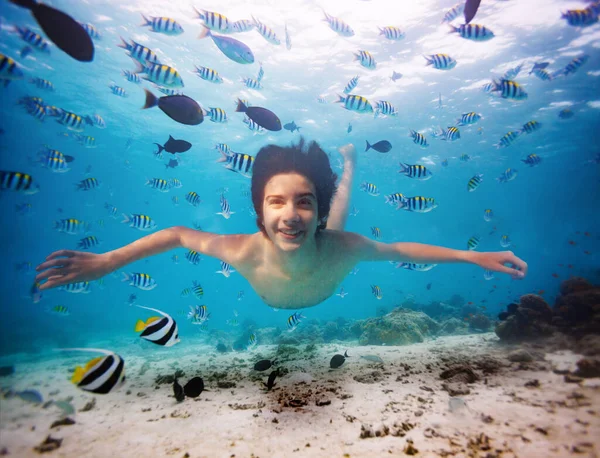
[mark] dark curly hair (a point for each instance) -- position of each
(311, 162)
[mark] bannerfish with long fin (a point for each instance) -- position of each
(160, 331)
(232, 48)
(100, 375)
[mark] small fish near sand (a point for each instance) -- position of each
(178, 391)
(271, 380)
(291, 126)
(180, 108)
(372, 358)
(261, 116)
(174, 146)
(264, 364)
(64, 31)
(382, 146)
(338, 360)
(194, 387)
(5, 371)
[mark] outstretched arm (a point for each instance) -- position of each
(68, 266)
(370, 250)
(339, 206)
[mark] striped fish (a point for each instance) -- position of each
(488, 214)
(243, 25)
(208, 74)
(193, 198)
(512, 73)
(41, 83)
(95, 120)
(294, 320)
(60, 310)
(488, 274)
(369, 188)
(574, 65)
(474, 32)
(158, 330)
(509, 89)
(251, 83)
(198, 314)
(506, 176)
(117, 90)
(450, 134)
(86, 140)
(420, 172)
(454, 12)
(464, 157)
(160, 184)
(215, 21)
(473, 243)
(224, 147)
(91, 31)
(468, 119)
(508, 139)
(138, 221)
(444, 163)
(71, 226)
(531, 126)
(88, 184)
(419, 139)
(139, 52)
(338, 26)
(441, 61)
(385, 108)
(226, 269)
(505, 241)
(17, 181)
(366, 59)
(72, 121)
(356, 103)
(532, 160)
(132, 77)
(225, 208)
(542, 74)
(580, 18)
(376, 291)
(193, 257)
(351, 85)
(164, 25)
(100, 375)
(392, 33)
(112, 210)
(417, 204)
(474, 182)
(140, 280)
(376, 232)
(175, 183)
(260, 74)
(159, 74)
(393, 199)
(198, 292)
(35, 40)
(76, 288)
(238, 162)
(88, 242)
(253, 126)
(37, 111)
(267, 33)
(414, 266)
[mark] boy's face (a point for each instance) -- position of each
(290, 210)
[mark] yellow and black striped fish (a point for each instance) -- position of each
(100, 375)
(17, 181)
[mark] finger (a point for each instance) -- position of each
(53, 282)
(52, 263)
(520, 264)
(56, 254)
(516, 274)
(47, 274)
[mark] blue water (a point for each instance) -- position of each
(541, 211)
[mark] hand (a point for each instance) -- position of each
(496, 261)
(348, 152)
(68, 266)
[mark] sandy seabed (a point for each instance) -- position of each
(522, 408)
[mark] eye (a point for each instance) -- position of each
(305, 201)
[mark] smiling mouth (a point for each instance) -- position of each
(289, 233)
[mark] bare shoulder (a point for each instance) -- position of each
(231, 248)
(343, 242)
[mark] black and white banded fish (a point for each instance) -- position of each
(238, 162)
(71, 226)
(393, 199)
(86, 140)
(215, 21)
(468, 119)
(35, 40)
(376, 232)
(140, 280)
(118, 90)
(338, 26)
(243, 25)
(366, 59)
(251, 83)
(158, 330)
(385, 108)
(9, 70)
(175, 183)
(369, 188)
(392, 33)
(160, 184)
(356, 103)
(162, 75)
(76, 288)
(419, 139)
(574, 65)
(193, 198)
(139, 52)
(164, 25)
(226, 269)
(440, 61)
(508, 139)
(138, 221)
(100, 375)
(254, 127)
(198, 291)
(17, 181)
(414, 266)
(88, 184)
(224, 147)
(132, 77)
(417, 204)
(474, 182)
(473, 242)
(450, 134)
(225, 208)
(580, 18)
(509, 89)
(531, 126)
(506, 176)
(532, 160)
(542, 74)
(454, 12)
(112, 210)
(420, 172)
(294, 320)
(267, 33)
(41, 83)
(208, 74)
(260, 74)
(512, 73)
(193, 257)
(72, 121)
(95, 120)
(351, 85)
(376, 291)
(91, 30)
(88, 242)
(474, 32)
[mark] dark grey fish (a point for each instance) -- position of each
(338, 360)
(180, 108)
(64, 31)
(174, 146)
(382, 146)
(471, 9)
(178, 391)
(172, 164)
(291, 126)
(349, 129)
(264, 364)
(6, 371)
(69, 158)
(395, 76)
(271, 380)
(194, 387)
(261, 116)
(25, 52)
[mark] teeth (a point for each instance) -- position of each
(289, 232)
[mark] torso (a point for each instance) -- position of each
(278, 290)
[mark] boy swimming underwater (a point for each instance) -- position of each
(293, 261)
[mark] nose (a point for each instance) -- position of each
(290, 214)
